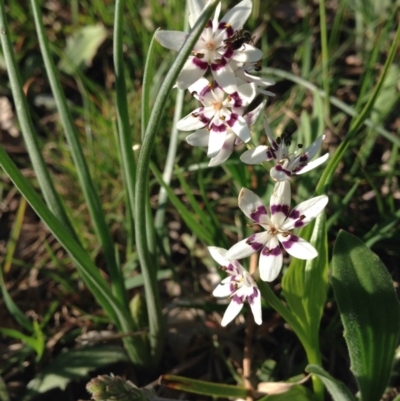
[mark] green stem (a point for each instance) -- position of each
(148, 271)
(124, 130)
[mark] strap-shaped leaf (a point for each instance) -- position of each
(369, 310)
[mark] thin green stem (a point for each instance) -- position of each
(148, 271)
(124, 130)
(324, 54)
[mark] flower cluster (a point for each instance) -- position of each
(223, 120)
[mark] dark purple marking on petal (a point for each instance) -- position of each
(232, 287)
(298, 168)
(271, 153)
(200, 63)
(218, 128)
(303, 158)
(230, 267)
(218, 65)
(202, 117)
(255, 245)
(253, 296)
(238, 299)
(209, 24)
(256, 216)
(272, 251)
(280, 209)
(232, 120)
(237, 101)
(300, 222)
(229, 53)
(290, 241)
(294, 214)
(278, 167)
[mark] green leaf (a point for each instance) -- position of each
(203, 387)
(295, 393)
(81, 47)
(75, 364)
(3, 391)
(337, 389)
(369, 310)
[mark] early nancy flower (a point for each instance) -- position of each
(219, 112)
(214, 47)
(278, 228)
(202, 137)
(239, 286)
(286, 163)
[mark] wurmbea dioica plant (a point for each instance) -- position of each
(227, 51)
(221, 122)
(223, 50)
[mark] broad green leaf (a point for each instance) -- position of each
(369, 310)
(75, 364)
(81, 47)
(337, 389)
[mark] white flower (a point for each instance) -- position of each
(239, 286)
(286, 163)
(242, 72)
(202, 137)
(278, 229)
(213, 47)
(219, 112)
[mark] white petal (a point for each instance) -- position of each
(248, 246)
(171, 39)
(248, 54)
(252, 116)
(280, 203)
(225, 77)
(247, 93)
(218, 254)
(191, 72)
(238, 15)
(199, 138)
(190, 123)
(314, 148)
(255, 304)
(255, 156)
(239, 127)
(252, 206)
(280, 172)
(315, 163)
(216, 141)
(232, 311)
(269, 133)
(199, 86)
(225, 288)
(270, 260)
(305, 212)
(298, 247)
(225, 152)
(195, 9)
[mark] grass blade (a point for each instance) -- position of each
(49, 193)
(85, 179)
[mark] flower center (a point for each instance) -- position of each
(210, 45)
(217, 105)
